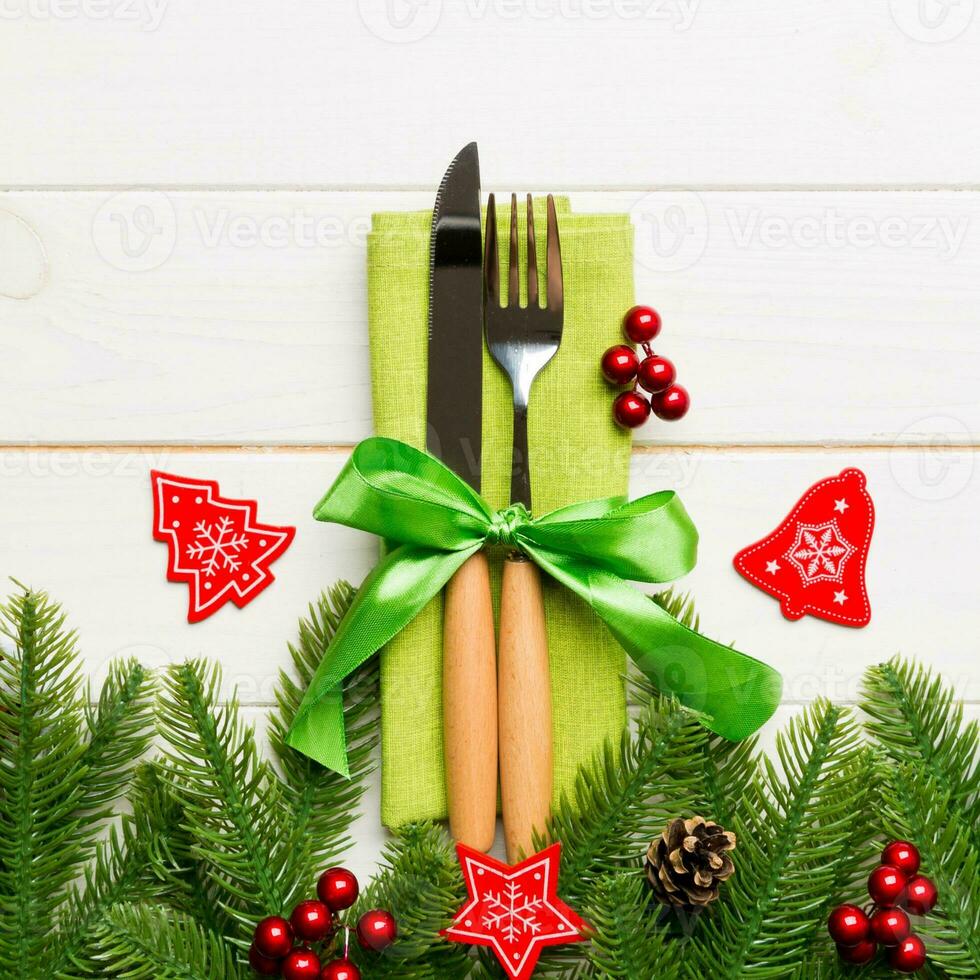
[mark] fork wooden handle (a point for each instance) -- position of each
(524, 690)
(469, 692)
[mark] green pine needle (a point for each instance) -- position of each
(62, 765)
(119, 731)
(627, 794)
(421, 884)
(152, 942)
(918, 722)
(232, 800)
(931, 797)
(322, 804)
(796, 827)
(917, 808)
(626, 942)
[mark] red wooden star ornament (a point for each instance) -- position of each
(514, 909)
(215, 543)
(814, 562)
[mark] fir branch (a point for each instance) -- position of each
(231, 798)
(151, 942)
(322, 804)
(184, 879)
(118, 874)
(917, 722)
(422, 886)
(918, 807)
(792, 828)
(119, 732)
(627, 943)
(40, 776)
(681, 606)
(727, 767)
(626, 795)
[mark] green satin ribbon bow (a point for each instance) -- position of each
(434, 521)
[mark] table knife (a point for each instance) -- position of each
(454, 434)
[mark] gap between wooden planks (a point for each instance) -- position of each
(639, 448)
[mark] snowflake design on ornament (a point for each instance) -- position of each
(214, 546)
(820, 552)
(512, 913)
(514, 909)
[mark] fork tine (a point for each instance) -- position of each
(491, 263)
(532, 257)
(556, 289)
(514, 278)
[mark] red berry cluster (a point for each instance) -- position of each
(895, 884)
(654, 374)
(282, 948)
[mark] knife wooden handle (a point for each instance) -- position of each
(524, 690)
(469, 693)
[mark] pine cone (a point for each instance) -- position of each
(688, 861)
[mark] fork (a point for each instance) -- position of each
(522, 340)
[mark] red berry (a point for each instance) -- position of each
(885, 885)
(376, 929)
(337, 889)
(920, 895)
(340, 970)
(890, 926)
(862, 953)
(908, 956)
(902, 855)
(619, 364)
(312, 921)
(301, 964)
(848, 925)
(273, 937)
(631, 409)
(642, 324)
(672, 404)
(265, 966)
(656, 373)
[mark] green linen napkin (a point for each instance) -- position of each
(576, 453)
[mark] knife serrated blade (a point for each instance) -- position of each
(454, 399)
(454, 403)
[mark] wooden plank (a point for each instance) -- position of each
(240, 317)
(79, 524)
(634, 92)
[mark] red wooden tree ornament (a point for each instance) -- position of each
(814, 562)
(514, 909)
(215, 544)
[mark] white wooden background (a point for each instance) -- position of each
(184, 194)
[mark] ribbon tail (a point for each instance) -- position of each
(735, 693)
(392, 595)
